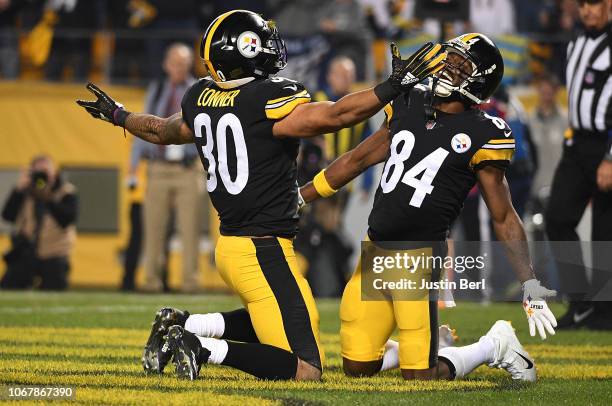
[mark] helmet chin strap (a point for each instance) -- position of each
(443, 89)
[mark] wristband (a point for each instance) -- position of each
(321, 185)
(385, 92)
(119, 116)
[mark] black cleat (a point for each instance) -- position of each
(189, 355)
(156, 353)
(577, 315)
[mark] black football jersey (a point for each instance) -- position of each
(431, 167)
(251, 175)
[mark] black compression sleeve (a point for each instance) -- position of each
(261, 360)
(238, 326)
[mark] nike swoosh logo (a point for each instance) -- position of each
(294, 87)
(578, 317)
(527, 360)
(507, 133)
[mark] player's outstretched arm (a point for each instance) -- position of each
(311, 119)
(157, 130)
(171, 130)
(509, 229)
(348, 166)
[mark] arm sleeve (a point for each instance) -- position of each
(497, 152)
(287, 95)
(13, 205)
(64, 211)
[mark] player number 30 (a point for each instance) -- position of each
(394, 168)
(226, 121)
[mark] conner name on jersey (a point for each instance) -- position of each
(217, 98)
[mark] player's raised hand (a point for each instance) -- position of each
(104, 107)
(405, 73)
(538, 314)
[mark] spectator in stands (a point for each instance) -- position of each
(344, 24)
(290, 16)
(128, 19)
(536, 16)
(520, 174)
(174, 177)
(70, 50)
(568, 19)
(175, 20)
(321, 240)
(547, 124)
(492, 17)
(43, 209)
(306, 46)
(341, 76)
(9, 47)
(524, 164)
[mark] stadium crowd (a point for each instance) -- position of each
(125, 42)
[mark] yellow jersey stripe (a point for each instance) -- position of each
(503, 146)
(506, 141)
(388, 111)
(286, 108)
(491, 155)
(280, 99)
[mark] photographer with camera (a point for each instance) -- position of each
(43, 209)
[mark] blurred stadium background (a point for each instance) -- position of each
(50, 49)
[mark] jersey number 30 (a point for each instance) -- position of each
(394, 168)
(232, 122)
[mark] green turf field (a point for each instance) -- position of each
(93, 341)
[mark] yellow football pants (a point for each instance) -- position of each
(264, 273)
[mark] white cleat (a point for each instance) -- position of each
(510, 354)
(446, 336)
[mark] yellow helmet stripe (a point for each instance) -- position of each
(209, 37)
(466, 37)
(211, 33)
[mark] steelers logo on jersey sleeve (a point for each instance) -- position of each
(249, 44)
(461, 143)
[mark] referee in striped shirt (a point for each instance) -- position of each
(585, 172)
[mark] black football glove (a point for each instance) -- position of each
(104, 108)
(406, 73)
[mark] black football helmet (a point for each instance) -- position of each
(240, 44)
(487, 69)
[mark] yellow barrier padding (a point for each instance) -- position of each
(39, 117)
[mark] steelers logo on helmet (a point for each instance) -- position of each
(249, 44)
(461, 143)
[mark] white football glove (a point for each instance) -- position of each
(538, 313)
